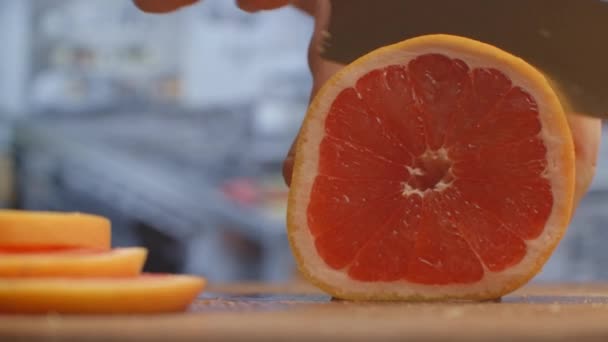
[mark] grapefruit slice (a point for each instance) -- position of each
(120, 262)
(139, 295)
(436, 168)
(53, 230)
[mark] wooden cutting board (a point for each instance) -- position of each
(550, 312)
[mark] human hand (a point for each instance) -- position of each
(586, 131)
(321, 69)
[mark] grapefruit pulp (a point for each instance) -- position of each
(145, 294)
(53, 230)
(120, 262)
(436, 168)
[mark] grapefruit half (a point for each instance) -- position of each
(436, 168)
(139, 295)
(120, 262)
(53, 230)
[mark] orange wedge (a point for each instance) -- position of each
(121, 262)
(53, 230)
(146, 294)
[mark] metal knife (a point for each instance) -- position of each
(566, 39)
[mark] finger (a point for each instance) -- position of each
(261, 5)
(288, 163)
(586, 134)
(321, 70)
(162, 6)
(324, 73)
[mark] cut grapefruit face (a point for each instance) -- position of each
(145, 294)
(120, 262)
(436, 168)
(53, 230)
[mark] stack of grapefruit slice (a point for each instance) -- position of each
(62, 262)
(436, 168)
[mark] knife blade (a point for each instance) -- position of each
(566, 39)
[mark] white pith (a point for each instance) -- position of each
(492, 282)
(441, 185)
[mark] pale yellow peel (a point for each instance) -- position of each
(133, 295)
(44, 229)
(121, 262)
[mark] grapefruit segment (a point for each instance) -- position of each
(497, 248)
(391, 246)
(441, 255)
(350, 121)
(441, 87)
(53, 230)
(520, 161)
(341, 227)
(121, 262)
(513, 119)
(342, 159)
(527, 220)
(489, 87)
(438, 167)
(146, 294)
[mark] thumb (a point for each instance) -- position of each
(586, 134)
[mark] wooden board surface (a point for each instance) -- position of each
(551, 312)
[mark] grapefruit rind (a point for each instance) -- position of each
(555, 133)
(148, 294)
(71, 230)
(120, 262)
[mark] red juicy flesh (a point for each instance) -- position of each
(376, 210)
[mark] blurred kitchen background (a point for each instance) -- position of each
(175, 127)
